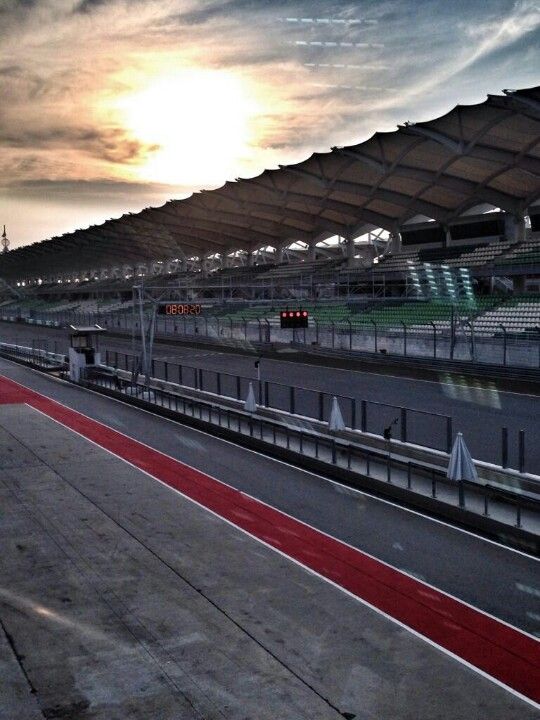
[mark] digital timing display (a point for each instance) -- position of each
(180, 309)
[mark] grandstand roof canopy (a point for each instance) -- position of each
(475, 153)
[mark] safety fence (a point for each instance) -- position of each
(33, 355)
(502, 347)
(420, 427)
(513, 507)
(424, 428)
(465, 342)
(517, 509)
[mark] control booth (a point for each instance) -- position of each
(83, 350)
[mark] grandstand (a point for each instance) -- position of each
(431, 229)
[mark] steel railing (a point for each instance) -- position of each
(516, 508)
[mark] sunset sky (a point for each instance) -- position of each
(109, 106)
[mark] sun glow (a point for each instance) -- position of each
(199, 122)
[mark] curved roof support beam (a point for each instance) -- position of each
(147, 244)
(524, 105)
(324, 203)
(390, 196)
(487, 152)
(155, 241)
(432, 179)
(287, 213)
(227, 238)
(258, 222)
(207, 237)
(357, 214)
(232, 228)
(456, 147)
(377, 165)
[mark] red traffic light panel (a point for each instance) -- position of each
(294, 318)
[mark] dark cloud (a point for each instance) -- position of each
(109, 144)
(88, 6)
(10, 5)
(86, 188)
(225, 8)
(15, 10)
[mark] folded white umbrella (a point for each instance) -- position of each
(336, 418)
(250, 404)
(461, 465)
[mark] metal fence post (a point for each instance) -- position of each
(291, 399)
(504, 343)
(461, 492)
(434, 339)
(321, 405)
(504, 447)
(375, 334)
(363, 416)
(521, 443)
(452, 332)
(404, 339)
(403, 424)
(449, 434)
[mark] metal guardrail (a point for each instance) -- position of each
(35, 356)
(420, 427)
(517, 509)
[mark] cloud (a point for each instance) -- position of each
(322, 73)
(86, 6)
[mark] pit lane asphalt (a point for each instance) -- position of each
(493, 578)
